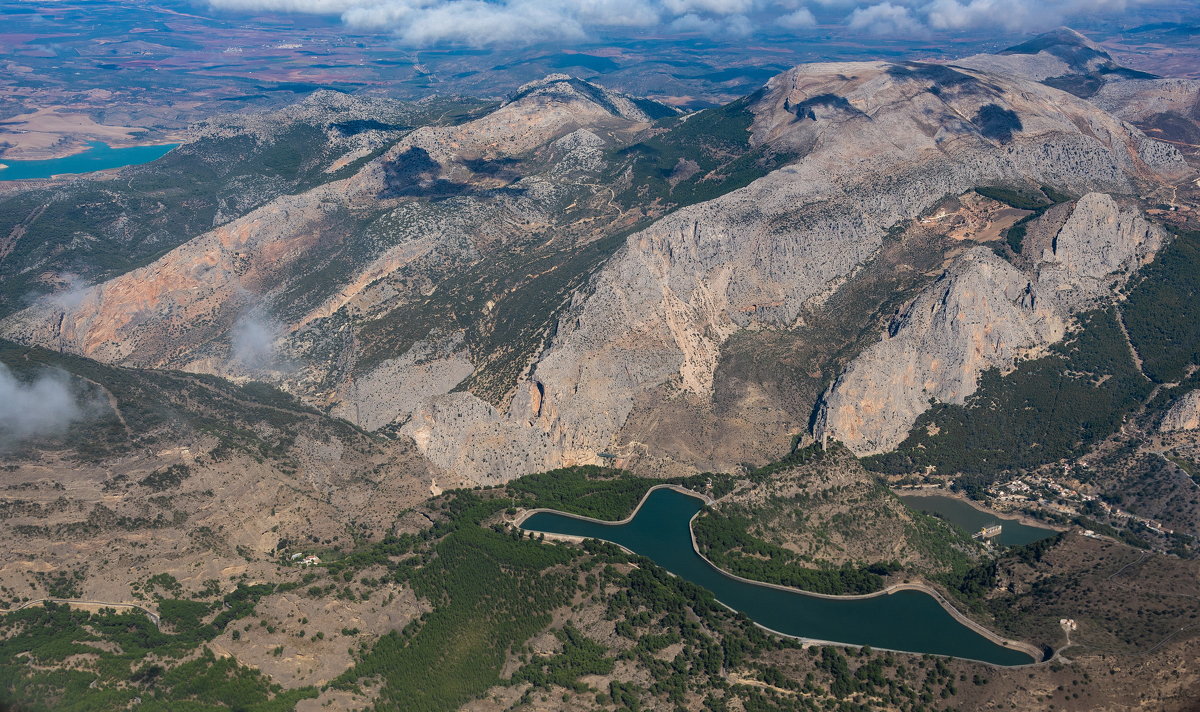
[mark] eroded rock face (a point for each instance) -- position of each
(499, 446)
(879, 146)
(985, 313)
(875, 144)
(981, 314)
(1184, 414)
(392, 391)
(180, 310)
(1059, 53)
(1099, 245)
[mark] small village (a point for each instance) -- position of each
(1040, 493)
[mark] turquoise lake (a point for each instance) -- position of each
(964, 516)
(906, 620)
(99, 156)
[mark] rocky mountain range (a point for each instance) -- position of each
(575, 271)
(290, 388)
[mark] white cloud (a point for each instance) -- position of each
(489, 22)
(710, 7)
(732, 26)
(798, 19)
(252, 340)
(44, 406)
(885, 19)
(73, 293)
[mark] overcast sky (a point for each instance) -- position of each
(481, 23)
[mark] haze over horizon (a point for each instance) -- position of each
(866, 333)
(486, 23)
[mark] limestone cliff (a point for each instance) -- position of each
(359, 273)
(981, 314)
(1184, 414)
(880, 143)
(1098, 247)
(984, 313)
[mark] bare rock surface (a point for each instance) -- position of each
(392, 391)
(1184, 414)
(879, 147)
(1098, 246)
(1135, 100)
(874, 144)
(982, 313)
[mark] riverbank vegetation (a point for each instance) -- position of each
(726, 541)
(600, 492)
(613, 629)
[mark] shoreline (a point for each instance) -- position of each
(957, 615)
(1018, 517)
(87, 146)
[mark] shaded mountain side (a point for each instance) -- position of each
(1061, 58)
(85, 230)
(559, 275)
(136, 409)
(147, 433)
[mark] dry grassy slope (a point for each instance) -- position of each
(1126, 601)
(189, 475)
(832, 511)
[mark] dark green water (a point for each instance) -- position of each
(99, 156)
(963, 515)
(907, 620)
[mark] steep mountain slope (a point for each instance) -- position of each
(1062, 58)
(1165, 108)
(985, 313)
(432, 206)
(560, 276)
(880, 144)
(82, 230)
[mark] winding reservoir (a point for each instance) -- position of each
(906, 620)
(970, 519)
(99, 156)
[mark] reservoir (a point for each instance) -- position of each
(964, 516)
(906, 620)
(99, 156)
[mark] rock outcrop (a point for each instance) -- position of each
(1184, 414)
(1059, 53)
(892, 140)
(983, 313)
(396, 388)
(1098, 246)
(872, 145)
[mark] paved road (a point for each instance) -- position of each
(103, 604)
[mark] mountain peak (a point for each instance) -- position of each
(1061, 58)
(568, 89)
(1078, 52)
